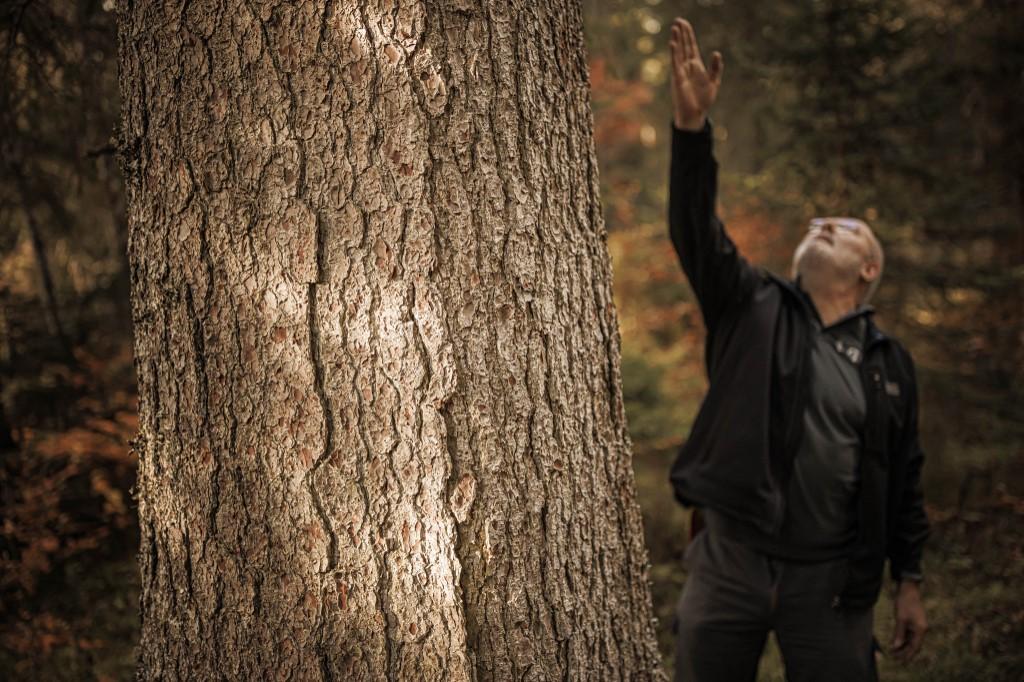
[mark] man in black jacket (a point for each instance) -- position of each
(804, 457)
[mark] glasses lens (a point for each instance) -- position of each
(848, 224)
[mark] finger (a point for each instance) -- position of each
(898, 636)
(690, 41)
(916, 640)
(677, 31)
(717, 66)
(676, 44)
(679, 27)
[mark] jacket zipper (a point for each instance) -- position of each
(791, 441)
(871, 380)
(872, 386)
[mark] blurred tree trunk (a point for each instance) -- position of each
(7, 441)
(50, 305)
(49, 292)
(382, 431)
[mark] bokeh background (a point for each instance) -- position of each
(907, 113)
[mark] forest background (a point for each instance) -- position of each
(908, 113)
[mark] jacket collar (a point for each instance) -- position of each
(793, 288)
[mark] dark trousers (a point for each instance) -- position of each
(735, 595)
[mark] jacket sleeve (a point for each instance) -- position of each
(719, 275)
(911, 528)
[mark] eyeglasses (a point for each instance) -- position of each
(848, 224)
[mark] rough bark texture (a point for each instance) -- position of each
(382, 432)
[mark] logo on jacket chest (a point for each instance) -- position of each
(848, 351)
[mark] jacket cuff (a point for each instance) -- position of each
(689, 143)
(912, 574)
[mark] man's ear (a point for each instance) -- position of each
(869, 271)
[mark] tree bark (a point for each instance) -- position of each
(381, 424)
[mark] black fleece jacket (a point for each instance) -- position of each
(739, 454)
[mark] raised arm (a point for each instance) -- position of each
(720, 277)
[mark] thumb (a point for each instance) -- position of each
(717, 66)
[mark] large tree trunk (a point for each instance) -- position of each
(382, 431)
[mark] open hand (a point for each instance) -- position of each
(910, 625)
(694, 88)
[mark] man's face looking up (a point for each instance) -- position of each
(838, 252)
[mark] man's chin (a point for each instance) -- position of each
(810, 256)
(814, 266)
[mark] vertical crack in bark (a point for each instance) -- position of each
(257, 595)
(325, 663)
(152, 443)
(385, 579)
(497, 94)
(329, 426)
(187, 545)
(324, 17)
(203, 387)
(152, 558)
(321, 248)
(520, 102)
(169, 567)
(391, 643)
(463, 541)
(381, 598)
(316, 360)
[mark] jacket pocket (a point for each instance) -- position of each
(837, 582)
